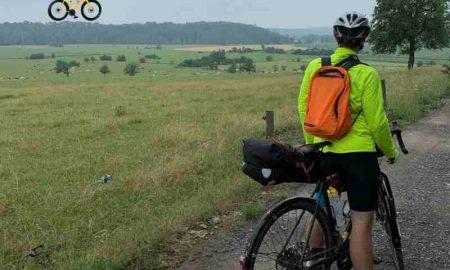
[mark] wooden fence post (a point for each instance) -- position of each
(270, 124)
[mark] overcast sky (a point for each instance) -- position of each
(265, 13)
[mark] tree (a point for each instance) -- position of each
(131, 69)
(105, 70)
(248, 65)
(87, 59)
(269, 58)
(408, 26)
(64, 67)
(232, 68)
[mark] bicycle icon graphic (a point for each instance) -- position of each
(58, 10)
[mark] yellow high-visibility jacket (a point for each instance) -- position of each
(372, 126)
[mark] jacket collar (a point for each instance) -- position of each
(344, 51)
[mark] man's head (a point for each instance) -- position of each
(351, 30)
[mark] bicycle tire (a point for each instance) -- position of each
(387, 215)
(50, 11)
(273, 215)
(95, 2)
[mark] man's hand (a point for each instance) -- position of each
(395, 158)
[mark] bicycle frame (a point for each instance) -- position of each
(338, 240)
(77, 5)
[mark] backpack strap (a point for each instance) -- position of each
(326, 61)
(349, 62)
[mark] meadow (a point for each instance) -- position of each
(169, 136)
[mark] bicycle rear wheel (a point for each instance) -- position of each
(280, 241)
(91, 10)
(58, 10)
(387, 216)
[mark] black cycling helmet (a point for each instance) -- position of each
(351, 28)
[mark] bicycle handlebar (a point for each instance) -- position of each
(398, 133)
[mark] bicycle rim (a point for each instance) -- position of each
(395, 245)
(58, 10)
(273, 248)
(91, 10)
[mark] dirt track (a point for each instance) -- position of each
(421, 185)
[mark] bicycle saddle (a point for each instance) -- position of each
(310, 149)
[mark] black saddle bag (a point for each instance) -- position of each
(272, 163)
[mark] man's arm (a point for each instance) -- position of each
(376, 118)
(303, 102)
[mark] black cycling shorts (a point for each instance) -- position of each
(360, 173)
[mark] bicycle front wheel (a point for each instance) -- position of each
(91, 10)
(58, 10)
(387, 216)
(283, 237)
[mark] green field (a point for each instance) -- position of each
(170, 137)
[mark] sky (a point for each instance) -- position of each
(264, 13)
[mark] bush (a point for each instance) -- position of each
(152, 56)
(93, 59)
(131, 69)
(275, 68)
(105, 58)
(232, 68)
(303, 67)
(119, 111)
(283, 68)
(274, 50)
(419, 64)
(269, 58)
(121, 58)
(142, 60)
(37, 56)
(87, 59)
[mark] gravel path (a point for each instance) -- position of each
(421, 186)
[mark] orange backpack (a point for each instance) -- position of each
(328, 114)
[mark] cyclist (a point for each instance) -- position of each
(354, 156)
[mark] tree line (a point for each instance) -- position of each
(27, 33)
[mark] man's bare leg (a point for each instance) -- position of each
(361, 246)
(316, 240)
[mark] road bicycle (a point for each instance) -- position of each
(281, 239)
(58, 10)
